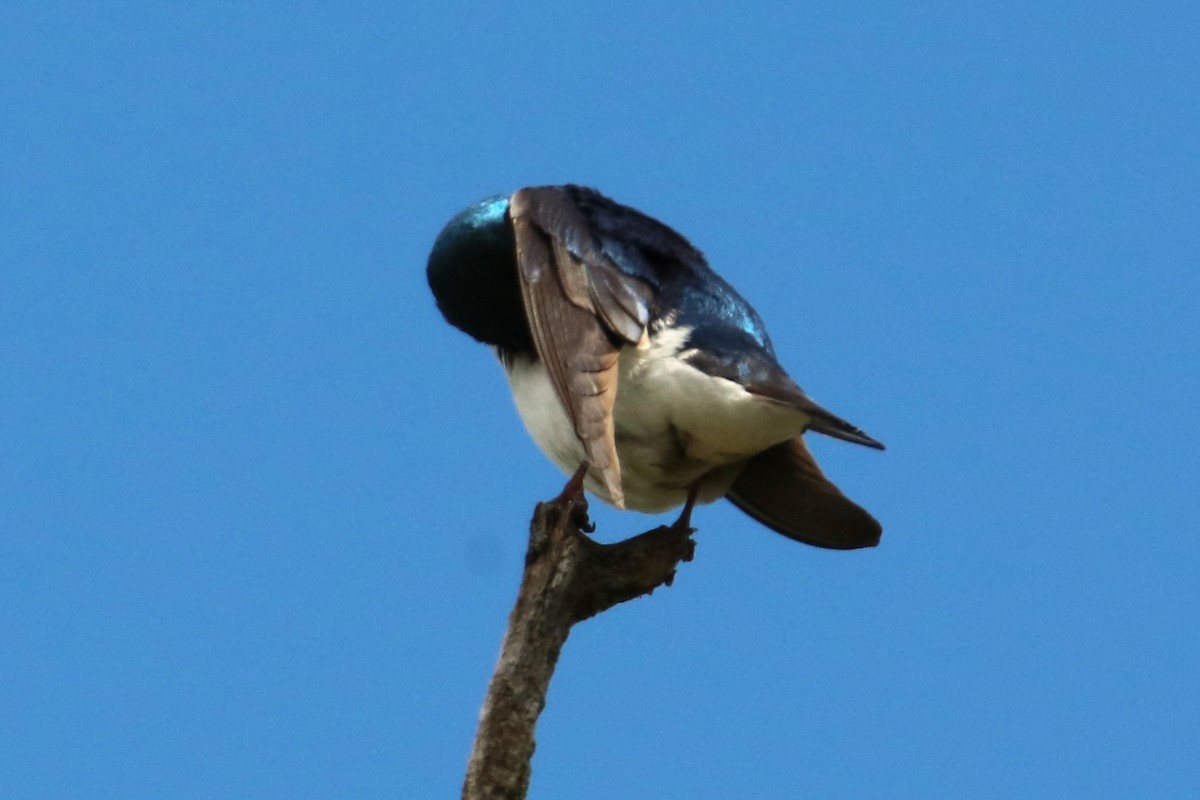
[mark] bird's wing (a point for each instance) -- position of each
(581, 311)
(784, 489)
(729, 353)
(778, 386)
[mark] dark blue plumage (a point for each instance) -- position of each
(627, 351)
(685, 285)
(473, 273)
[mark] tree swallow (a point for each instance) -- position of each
(626, 353)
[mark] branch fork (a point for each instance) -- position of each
(568, 578)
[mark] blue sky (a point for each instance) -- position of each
(263, 512)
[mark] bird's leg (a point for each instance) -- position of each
(684, 523)
(574, 486)
(572, 495)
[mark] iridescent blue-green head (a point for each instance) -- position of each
(472, 271)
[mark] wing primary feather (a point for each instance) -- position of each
(778, 386)
(570, 336)
(832, 425)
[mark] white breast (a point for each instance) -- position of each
(675, 425)
(543, 414)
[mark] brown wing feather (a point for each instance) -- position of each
(784, 489)
(581, 310)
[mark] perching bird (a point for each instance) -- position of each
(626, 351)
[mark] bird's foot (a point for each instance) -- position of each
(573, 497)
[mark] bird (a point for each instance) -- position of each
(635, 367)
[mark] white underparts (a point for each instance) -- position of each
(675, 425)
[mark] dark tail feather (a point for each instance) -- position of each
(784, 489)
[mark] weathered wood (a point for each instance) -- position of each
(568, 578)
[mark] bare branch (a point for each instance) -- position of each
(568, 578)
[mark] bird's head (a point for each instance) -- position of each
(472, 271)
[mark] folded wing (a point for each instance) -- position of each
(581, 311)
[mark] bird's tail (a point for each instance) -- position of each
(784, 489)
